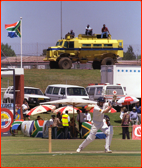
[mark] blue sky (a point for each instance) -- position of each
(41, 21)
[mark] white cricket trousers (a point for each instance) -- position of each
(97, 125)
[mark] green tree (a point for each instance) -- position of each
(44, 51)
(139, 56)
(129, 54)
(6, 49)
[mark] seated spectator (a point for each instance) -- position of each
(39, 118)
(138, 109)
(88, 30)
(125, 124)
(73, 129)
(134, 116)
(105, 31)
(72, 33)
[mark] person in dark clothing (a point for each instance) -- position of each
(105, 31)
(72, 33)
(125, 125)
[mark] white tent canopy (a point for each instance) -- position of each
(74, 101)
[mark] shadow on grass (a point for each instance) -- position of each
(117, 121)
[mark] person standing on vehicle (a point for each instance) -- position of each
(97, 123)
(105, 31)
(125, 124)
(25, 108)
(138, 109)
(65, 124)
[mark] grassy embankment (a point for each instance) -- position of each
(41, 78)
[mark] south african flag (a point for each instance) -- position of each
(16, 124)
(37, 128)
(86, 127)
(13, 29)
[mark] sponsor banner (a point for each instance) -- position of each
(27, 127)
(136, 133)
(6, 121)
(7, 105)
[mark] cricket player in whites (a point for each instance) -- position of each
(97, 123)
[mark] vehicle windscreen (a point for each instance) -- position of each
(61, 42)
(33, 91)
(110, 89)
(76, 91)
(57, 43)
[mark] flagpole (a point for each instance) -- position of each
(21, 40)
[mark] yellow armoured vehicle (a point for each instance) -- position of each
(84, 48)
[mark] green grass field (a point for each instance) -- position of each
(33, 152)
(21, 151)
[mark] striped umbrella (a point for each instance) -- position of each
(91, 109)
(68, 108)
(127, 100)
(41, 109)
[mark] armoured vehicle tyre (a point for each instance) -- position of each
(53, 65)
(107, 61)
(96, 65)
(65, 63)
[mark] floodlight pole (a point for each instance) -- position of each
(21, 40)
(61, 19)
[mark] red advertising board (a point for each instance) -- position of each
(136, 133)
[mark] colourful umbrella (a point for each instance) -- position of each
(68, 108)
(41, 109)
(127, 100)
(91, 109)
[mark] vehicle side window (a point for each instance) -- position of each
(91, 91)
(7, 90)
(87, 89)
(62, 92)
(56, 90)
(86, 45)
(99, 91)
(11, 91)
(49, 90)
(66, 44)
(71, 44)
